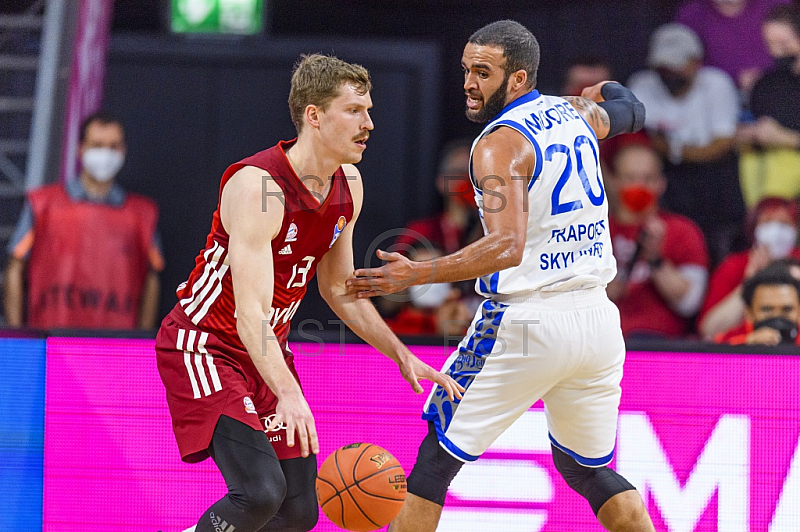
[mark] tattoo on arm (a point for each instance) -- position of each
(595, 115)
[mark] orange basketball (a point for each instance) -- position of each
(361, 487)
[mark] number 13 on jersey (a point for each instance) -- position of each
(301, 272)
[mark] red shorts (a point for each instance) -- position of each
(206, 378)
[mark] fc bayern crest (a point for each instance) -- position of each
(337, 230)
(291, 234)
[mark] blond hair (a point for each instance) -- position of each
(316, 80)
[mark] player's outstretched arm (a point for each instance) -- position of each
(502, 162)
(609, 108)
(360, 315)
(252, 227)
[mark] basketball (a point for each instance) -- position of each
(361, 487)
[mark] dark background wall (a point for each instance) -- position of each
(616, 29)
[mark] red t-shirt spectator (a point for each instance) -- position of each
(642, 309)
(728, 275)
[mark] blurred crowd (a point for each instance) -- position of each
(702, 203)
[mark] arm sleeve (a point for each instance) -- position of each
(626, 114)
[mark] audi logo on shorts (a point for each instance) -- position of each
(267, 420)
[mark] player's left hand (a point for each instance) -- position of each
(593, 93)
(414, 370)
(397, 274)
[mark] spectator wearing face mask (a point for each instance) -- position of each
(772, 309)
(431, 309)
(662, 264)
(770, 164)
(773, 224)
(88, 249)
(692, 112)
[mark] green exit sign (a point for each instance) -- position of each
(243, 17)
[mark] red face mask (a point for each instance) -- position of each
(637, 198)
(460, 188)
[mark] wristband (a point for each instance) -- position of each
(626, 114)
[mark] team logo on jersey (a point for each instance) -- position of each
(249, 407)
(291, 234)
(340, 223)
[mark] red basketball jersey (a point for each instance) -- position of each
(308, 231)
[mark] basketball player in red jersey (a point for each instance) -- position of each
(222, 352)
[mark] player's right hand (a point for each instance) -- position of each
(396, 274)
(415, 370)
(294, 412)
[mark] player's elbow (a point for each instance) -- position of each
(512, 249)
(330, 291)
(251, 318)
(329, 297)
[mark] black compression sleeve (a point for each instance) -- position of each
(625, 112)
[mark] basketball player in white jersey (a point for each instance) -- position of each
(546, 329)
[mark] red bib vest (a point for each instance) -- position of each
(89, 261)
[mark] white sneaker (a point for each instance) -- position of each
(190, 529)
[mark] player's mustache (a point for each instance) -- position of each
(361, 138)
(477, 96)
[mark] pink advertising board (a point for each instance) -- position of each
(711, 440)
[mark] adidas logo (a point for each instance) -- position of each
(219, 524)
(287, 250)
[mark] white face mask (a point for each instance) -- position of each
(428, 295)
(778, 237)
(103, 163)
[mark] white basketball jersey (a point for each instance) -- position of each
(568, 246)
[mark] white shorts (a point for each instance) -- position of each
(565, 348)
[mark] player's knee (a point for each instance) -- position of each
(434, 470)
(301, 513)
(595, 484)
(260, 496)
